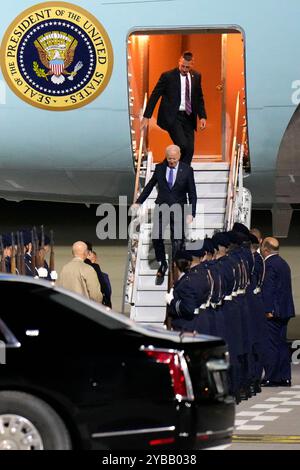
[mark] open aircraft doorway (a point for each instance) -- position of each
(220, 58)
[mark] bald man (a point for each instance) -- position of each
(80, 277)
(279, 308)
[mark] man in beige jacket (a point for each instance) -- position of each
(80, 277)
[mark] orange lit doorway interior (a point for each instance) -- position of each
(219, 57)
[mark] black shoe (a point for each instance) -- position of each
(257, 387)
(285, 383)
(161, 273)
(269, 383)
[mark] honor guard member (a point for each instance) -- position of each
(248, 262)
(243, 342)
(230, 309)
(44, 271)
(187, 295)
(7, 249)
(217, 324)
(201, 322)
(258, 308)
(29, 264)
(10, 253)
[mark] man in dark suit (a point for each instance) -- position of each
(175, 181)
(279, 308)
(182, 102)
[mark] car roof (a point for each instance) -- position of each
(111, 318)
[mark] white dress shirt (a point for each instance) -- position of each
(183, 85)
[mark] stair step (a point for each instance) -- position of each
(149, 298)
(147, 283)
(208, 232)
(205, 166)
(204, 205)
(207, 190)
(149, 267)
(149, 314)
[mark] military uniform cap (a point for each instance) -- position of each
(26, 236)
(183, 254)
(7, 240)
(221, 239)
(241, 228)
(253, 239)
(233, 237)
(208, 246)
(199, 253)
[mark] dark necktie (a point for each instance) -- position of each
(171, 177)
(188, 104)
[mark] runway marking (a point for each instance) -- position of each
(221, 447)
(265, 418)
(279, 410)
(265, 439)
(294, 403)
(249, 413)
(240, 422)
(249, 427)
(276, 399)
(264, 406)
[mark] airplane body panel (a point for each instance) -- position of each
(85, 154)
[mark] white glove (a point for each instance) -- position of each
(169, 296)
(53, 275)
(42, 272)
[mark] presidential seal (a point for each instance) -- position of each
(56, 56)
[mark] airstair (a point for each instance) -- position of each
(221, 200)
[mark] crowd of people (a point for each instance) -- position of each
(238, 287)
(25, 253)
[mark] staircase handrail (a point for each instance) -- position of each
(232, 181)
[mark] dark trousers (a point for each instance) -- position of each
(182, 134)
(277, 362)
(177, 227)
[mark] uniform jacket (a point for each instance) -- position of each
(80, 278)
(169, 88)
(184, 185)
(190, 291)
(277, 288)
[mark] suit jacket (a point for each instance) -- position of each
(277, 288)
(184, 185)
(104, 282)
(169, 88)
(80, 278)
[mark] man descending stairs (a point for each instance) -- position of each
(148, 304)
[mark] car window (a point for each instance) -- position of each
(52, 316)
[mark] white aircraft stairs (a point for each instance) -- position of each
(221, 200)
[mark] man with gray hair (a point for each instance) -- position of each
(176, 201)
(80, 277)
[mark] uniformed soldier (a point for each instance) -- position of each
(188, 294)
